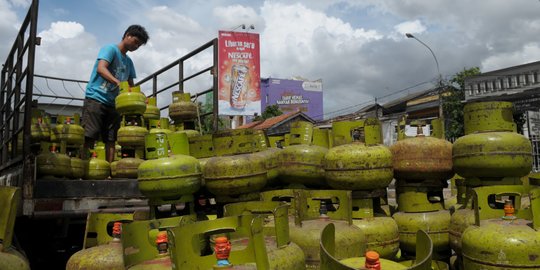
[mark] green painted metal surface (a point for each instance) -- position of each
(201, 146)
(329, 260)
(40, 129)
(51, 163)
(233, 142)
(282, 253)
(131, 132)
(181, 108)
(179, 143)
(169, 178)
(435, 224)
(301, 133)
(78, 167)
(419, 197)
(139, 238)
(492, 154)
(130, 100)
(302, 164)
(107, 256)
(321, 137)
(128, 167)
(156, 146)
(498, 241)
(382, 235)
(420, 158)
(98, 169)
(356, 166)
(160, 126)
(11, 259)
(236, 174)
(488, 116)
(461, 219)
(152, 111)
(437, 128)
(185, 252)
(97, 224)
(68, 129)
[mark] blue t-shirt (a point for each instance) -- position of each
(120, 66)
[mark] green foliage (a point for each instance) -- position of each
(453, 96)
(269, 112)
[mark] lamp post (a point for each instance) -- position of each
(439, 79)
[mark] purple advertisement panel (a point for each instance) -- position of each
(293, 95)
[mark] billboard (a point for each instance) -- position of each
(293, 95)
(238, 73)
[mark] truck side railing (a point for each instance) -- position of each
(183, 78)
(16, 98)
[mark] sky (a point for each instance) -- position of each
(357, 47)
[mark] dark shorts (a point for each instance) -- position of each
(99, 120)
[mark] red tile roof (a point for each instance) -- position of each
(270, 122)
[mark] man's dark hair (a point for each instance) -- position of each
(137, 31)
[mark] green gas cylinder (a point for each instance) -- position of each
(78, 167)
(358, 161)
(434, 223)
(282, 253)
(40, 129)
(98, 168)
(51, 163)
(235, 170)
(312, 210)
(160, 126)
(152, 111)
(108, 256)
(301, 162)
(128, 167)
(269, 154)
(130, 100)
(132, 131)
(491, 148)
(420, 158)
(10, 258)
(181, 108)
(68, 129)
(143, 242)
(382, 233)
(507, 238)
(165, 177)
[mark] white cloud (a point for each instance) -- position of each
(529, 53)
(61, 30)
(233, 16)
(413, 27)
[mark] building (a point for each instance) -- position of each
(293, 95)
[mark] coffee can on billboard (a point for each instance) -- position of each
(238, 88)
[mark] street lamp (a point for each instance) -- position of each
(409, 35)
(439, 80)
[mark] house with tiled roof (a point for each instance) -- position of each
(280, 124)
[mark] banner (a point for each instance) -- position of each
(238, 73)
(294, 95)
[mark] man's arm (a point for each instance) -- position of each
(104, 72)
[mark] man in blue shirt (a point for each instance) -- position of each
(112, 66)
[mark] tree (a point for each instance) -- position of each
(269, 112)
(452, 102)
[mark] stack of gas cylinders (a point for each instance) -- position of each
(234, 200)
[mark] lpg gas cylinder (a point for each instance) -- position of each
(40, 129)
(98, 168)
(78, 167)
(269, 154)
(235, 170)
(130, 100)
(282, 253)
(491, 148)
(165, 177)
(132, 131)
(361, 162)
(419, 158)
(52, 163)
(128, 167)
(314, 210)
(68, 129)
(182, 108)
(301, 162)
(160, 126)
(152, 111)
(507, 238)
(108, 256)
